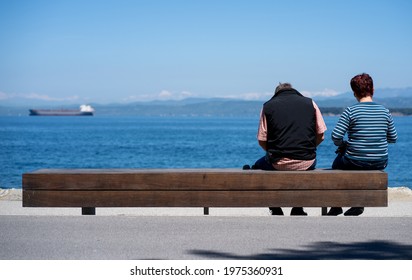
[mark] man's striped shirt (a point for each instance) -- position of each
(370, 128)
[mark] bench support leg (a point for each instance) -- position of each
(324, 211)
(88, 211)
(205, 210)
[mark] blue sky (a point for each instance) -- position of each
(123, 51)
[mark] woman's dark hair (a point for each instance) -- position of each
(362, 85)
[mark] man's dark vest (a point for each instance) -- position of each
(291, 125)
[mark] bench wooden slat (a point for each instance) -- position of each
(343, 198)
(202, 179)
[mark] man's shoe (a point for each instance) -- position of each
(298, 211)
(276, 211)
(334, 211)
(354, 211)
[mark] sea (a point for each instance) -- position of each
(30, 143)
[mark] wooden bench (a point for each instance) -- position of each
(90, 188)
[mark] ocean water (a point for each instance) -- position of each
(29, 143)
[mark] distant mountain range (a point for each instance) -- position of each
(399, 101)
(391, 98)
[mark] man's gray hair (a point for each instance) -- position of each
(282, 86)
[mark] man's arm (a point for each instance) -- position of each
(319, 138)
(320, 125)
(262, 131)
(263, 145)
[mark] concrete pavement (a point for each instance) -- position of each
(184, 238)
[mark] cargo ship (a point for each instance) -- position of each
(85, 110)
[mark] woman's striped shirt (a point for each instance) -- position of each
(369, 127)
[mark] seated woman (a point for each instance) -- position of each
(369, 127)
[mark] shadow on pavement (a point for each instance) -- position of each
(372, 250)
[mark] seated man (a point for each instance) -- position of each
(291, 127)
